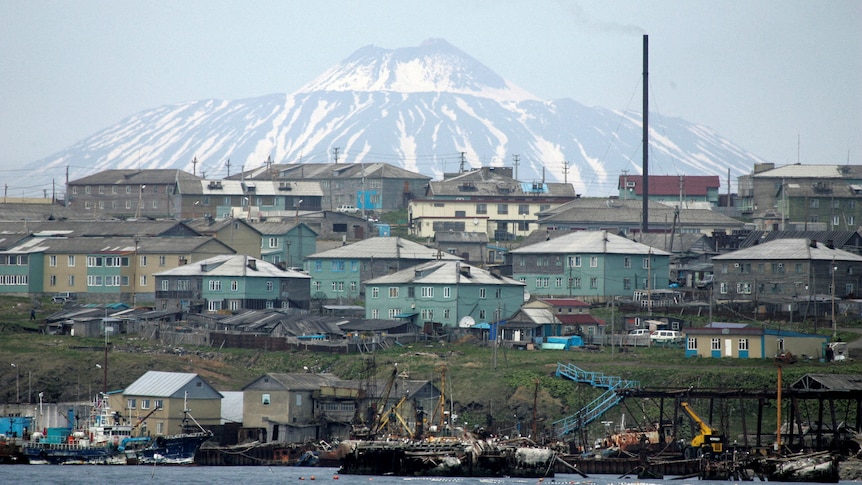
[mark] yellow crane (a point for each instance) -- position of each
(707, 438)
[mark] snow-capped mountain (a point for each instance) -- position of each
(417, 107)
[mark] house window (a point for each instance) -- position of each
(836, 220)
(393, 292)
(353, 286)
(128, 204)
(541, 282)
(338, 286)
(575, 282)
(52, 260)
(594, 282)
(594, 261)
(131, 403)
(162, 260)
(627, 262)
(145, 404)
(143, 260)
(743, 288)
(318, 265)
(777, 268)
(71, 260)
(743, 344)
(645, 263)
(446, 314)
(427, 292)
(523, 209)
(375, 313)
(715, 344)
(836, 203)
(780, 345)
(234, 285)
(814, 203)
(215, 285)
(481, 208)
(691, 343)
(522, 260)
(722, 288)
(482, 293)
(269, 286)
(354, 266)
(558, 282)
(53, 280)
(481, 314)
(164, 284)
(627, 283)
(761, 268)
(160, 427)
(502, 208)
(214, 305)
(427, 314)
(273, 242)
(574, 261)
(71, 280)
(143, 280)
(447, 292)
(337, 266)
(394, 312)
(265, 399)
(375, 292)
(316, 285)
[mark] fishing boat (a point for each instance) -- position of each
(109, 440)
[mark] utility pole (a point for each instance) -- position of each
(194, 166)
(645, 198)
(228, 167)
(463, 162)
(565, 171)
(335, 153)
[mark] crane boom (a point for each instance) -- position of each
(707, 436)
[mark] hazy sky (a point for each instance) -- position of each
(782, 78)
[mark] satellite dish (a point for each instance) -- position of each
(466, 322)
(527, 295)
(475, 222)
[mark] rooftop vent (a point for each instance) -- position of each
(214, 185)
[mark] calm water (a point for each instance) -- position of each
(59, 474)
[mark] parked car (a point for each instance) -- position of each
(665, 336)
(347, 208)
(640, 332)
(706, 282)
(63, 297)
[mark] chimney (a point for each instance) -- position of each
(252, 264)
(830, 244)
(813, 243)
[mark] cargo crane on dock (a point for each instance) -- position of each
(707, 440)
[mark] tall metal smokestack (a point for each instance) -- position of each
(645, 199)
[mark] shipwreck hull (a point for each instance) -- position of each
(446, 458)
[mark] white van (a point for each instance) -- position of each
(347, 208)
(665, 336)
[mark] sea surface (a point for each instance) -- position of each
(254, 475)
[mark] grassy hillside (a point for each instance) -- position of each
(64, 368)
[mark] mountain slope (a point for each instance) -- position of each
(417, 107)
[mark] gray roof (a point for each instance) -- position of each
(839, 239)
(118, 245)
(589, 242)
(135, 177)
(789, 249)
(839, 189)
(30, 213)
(216, 188)
(138, 228)
(295, 381)
(171, 385)
(268, 227)
(461, 237)
(233, 265)
(487, 182)
(384, 248)
(811, 171)
(601, 210)
(325, 171)
(445, 273)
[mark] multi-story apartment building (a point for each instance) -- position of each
(339, 273)
(443, 294)
(127, 194)
(674, 189)
(485, 200)
(366, 186)
(590, 265)
(231, 282)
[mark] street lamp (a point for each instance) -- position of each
(17, 388)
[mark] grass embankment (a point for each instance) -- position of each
(64, 368)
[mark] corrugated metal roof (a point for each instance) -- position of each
(171, 385)
(384, 248)
(233, 265)
(589, 242)
(785, 249)
(445, 272)
(802, 171)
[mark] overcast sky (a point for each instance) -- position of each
(781, 78)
